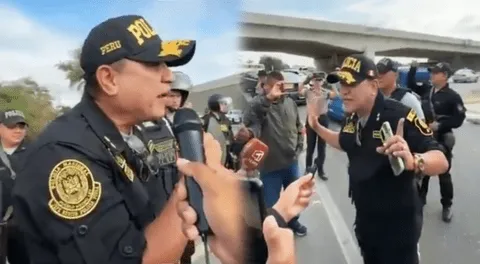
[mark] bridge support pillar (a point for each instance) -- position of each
(323, 64)
(369, 53)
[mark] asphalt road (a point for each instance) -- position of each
(330, 221)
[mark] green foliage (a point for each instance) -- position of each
(34, 100)
(73, 71)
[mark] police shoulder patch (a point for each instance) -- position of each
(413, 118)
(73, 192)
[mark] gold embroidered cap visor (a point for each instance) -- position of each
(348, 78)
(174, 53)
(131, 37)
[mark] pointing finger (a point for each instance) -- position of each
(400, 127)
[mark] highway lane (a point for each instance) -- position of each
(441, 243)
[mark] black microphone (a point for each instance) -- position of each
(188, 131)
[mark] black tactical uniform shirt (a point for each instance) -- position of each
(389, 212)
(82, 199)
(449, 109)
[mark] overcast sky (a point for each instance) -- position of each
(441, 17)
(37, 34)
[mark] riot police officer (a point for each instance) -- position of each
(159, 137)
(446, 112)
(217, 123)
(389, 214)
(83, 197)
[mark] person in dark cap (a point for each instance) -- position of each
(388, 219)
(446, 112)
(84, 197)
(387, 78)
(13, 129)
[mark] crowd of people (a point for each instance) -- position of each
(106, 183)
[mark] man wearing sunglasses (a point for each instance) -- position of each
(13, 129)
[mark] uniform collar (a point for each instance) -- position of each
(101, 125)
(377, 108)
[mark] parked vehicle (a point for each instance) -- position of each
(465, 76)
(235, 116)
(336, 110)
(422, 75)
(291, 85)
(248, 82)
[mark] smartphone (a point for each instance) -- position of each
(398, 166)
(312, 169)
(255, 209)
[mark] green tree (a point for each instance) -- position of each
(73, 71)
(272, 63)
(62, 109)
(34, 100)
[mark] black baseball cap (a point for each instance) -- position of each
(441, 67)
(12, 117)
(354, 70)
(131, 37)
(385, 65)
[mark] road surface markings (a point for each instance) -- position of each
(340, 228)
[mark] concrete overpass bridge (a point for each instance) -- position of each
(329, 42)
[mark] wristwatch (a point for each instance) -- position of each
(419, 163)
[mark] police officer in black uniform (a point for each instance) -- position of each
(13, 146)
(159, 137)
(445, 111)
(389, 214)
(217, 123)
(83, 197)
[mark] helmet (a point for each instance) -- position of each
(215, 100)
(183, 84)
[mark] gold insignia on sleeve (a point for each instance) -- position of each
(73, 192)
(411, 115)
(349, 128)
(122, 163)
(419, 123)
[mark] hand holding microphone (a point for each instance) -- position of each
(253, 154)
(207, 189)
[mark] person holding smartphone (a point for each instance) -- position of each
(220, 187)
(389, 216)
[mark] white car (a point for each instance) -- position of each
(465, 76)
(235, 116)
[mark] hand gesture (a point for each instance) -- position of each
(280, 243)
(296, 197)
(276, 91)
(398, 147)
(434, 126)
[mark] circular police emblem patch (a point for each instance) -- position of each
(73, 192)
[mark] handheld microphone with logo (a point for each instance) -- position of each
(253, 154)
(188, 131)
